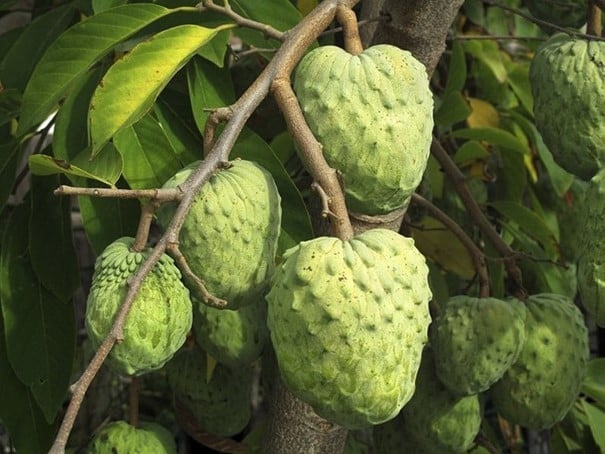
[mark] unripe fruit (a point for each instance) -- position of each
(348, 322)
(475, 341)
(122, 438)
(229, 236)
(373, 114)
(544, 382)
(565, 75)
(160, 316)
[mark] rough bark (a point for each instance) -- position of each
(419, 26)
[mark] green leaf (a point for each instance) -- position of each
(469, 152)
(456, 75)
(19, 62)
(19, 413)
(99, 6)
(530, 223)
(50, 239)
(489, 53)
(216, 49)
(596, 421)
(77, 50)
(149, 160)
(209, 87)
(518, 79)
(594, 381)
(452, 109)
(107, 219)
(295, 218)
(9, 158)
(130, 87)
(185, 142)
(39, 328)
(494, 136)
(10, 105)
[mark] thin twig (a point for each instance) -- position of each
(325, 201)
(159, 195)
(476, 254)
(495, 38)
(360, 23)
(218, 116)
(348, 20)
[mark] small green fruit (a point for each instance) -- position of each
(159, 319)
(348, 321)
(541, 386)
(373, 114)
(230, 234)
(475, 341)
(119, 437)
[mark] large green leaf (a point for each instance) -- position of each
(217, 48)
(50, 239)
(594, 381)
(456, 74)
(185, 141)
(452, 108)
(19, 413)
(18, 63)
(39, 328)
(130, 87)
(74, 52)
(494, 136)
(596, 421)
(9, 158)
(149, 159)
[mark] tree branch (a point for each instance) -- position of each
(159, 195)
(594, 24)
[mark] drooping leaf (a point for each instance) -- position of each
(518, 79)
(132, 84)
(186, 142)
(489, 53)
(50, 239)
(9, 158)
(39, 328)
(149, 159)
(594, 381)
(470, 151)
(77, 50)
(99, 6)
(494, 136)
(19, 412)
(452, 109)
(596, 421)
(216, 49)
(456, 74)
(18, 64)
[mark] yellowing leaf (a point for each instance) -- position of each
(441, 246)
(483, 114)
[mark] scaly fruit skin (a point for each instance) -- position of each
(220, 404)
(542, 385)
(159, 319)
(230, 234)
(564, 13)
(434, 420)
(565, 74)
(373, 114)
(591, 268)
(348, 321)
(475, 340)
(120, 437)
(234, 338)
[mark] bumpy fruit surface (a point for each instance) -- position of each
(434, 420)
(591, 266)
(233, 337)
(159, 319)
(475, 340)
(373, 114)
(565, 74)
(542, 385)
(220, 405)
(230, 234)
(348, 321)
(120, 437)
(564, 13)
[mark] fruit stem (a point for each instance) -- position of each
(133, 400)
(350, 28)
(593, 19)
(140, 240)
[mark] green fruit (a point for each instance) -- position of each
(348, 321)
(564, 13)
(159, 319)
(542, 385)
(591, 266)
(122, 438)
(219, 404)
(373, 114)
(229, 236)
(233, 337)
(475, 340)
(434, 420)
(565, 74)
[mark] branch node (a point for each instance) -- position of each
(326, 200)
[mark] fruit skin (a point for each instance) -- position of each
(539, 389)
(434, 420)
(230, 234)
(475, 341)
(373, 115)
(348, 321)
(591, 268)
(120, 437)
(219, 404)
(234, 338)
(160, 317)
(565, 74)
(564, 13)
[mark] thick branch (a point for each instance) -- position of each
(350, 30)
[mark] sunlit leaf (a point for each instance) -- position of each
(216, 49)
(483, 114)
(185, 142)
(47, 165)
